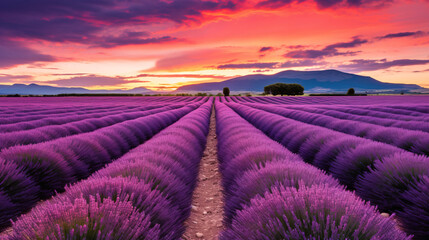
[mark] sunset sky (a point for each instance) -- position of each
(163, 44)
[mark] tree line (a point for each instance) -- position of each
(284, 89)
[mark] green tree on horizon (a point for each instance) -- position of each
(284, 89)
(226, 91)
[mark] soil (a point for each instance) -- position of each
(205, 221)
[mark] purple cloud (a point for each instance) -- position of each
(270, 65)
(420, 71)
(122, 41)
(92, 80)
(12, 54)
(83, 20)
(87, 21)
(181, 76)
(325, 3)
(328, 51)
(403, 34)
(248, 65)
(300, 63)
(7, 78)
(361, 65)
(265, 49)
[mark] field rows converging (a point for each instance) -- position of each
(214, 168)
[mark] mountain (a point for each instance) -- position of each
(34, 89)
(312, 81)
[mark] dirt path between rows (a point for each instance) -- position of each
(205, 222)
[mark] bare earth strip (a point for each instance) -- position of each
(205, 221)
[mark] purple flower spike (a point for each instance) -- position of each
(20, 188)
(82, 219)
(158, 178)
(414, 218)
(47, 168)
(317, 212)
(7, 210)
(351, 164)
(274, 175)
(390, 177)
(142, 196)
(330, 151)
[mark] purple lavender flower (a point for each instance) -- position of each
(349, 165)
(7, 210)
(83, 219)
(20, 188)
(254, 157)
(87, 151)
(314, 144)
(173, 188)
(317, 212)
(257, 181)
(142, 196)
(47, 168)
(390, 177)
(414, 216)
(331, 150)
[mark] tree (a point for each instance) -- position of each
(226, 91)
(351, 91)
(284, 89)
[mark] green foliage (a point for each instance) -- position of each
(226, 91)
(284, 89)
(351, 91)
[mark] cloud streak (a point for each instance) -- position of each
(12, 54)
(403, 34)
(325, 3)
(361, 65)
(181, 76)
(7, 78)
(265, 49)
(270, 65)
(92, 81)
(328, 51)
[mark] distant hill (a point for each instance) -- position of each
(313, 82)
(34, 89)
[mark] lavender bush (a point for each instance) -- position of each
(317, 212)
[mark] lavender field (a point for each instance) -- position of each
(290, 167)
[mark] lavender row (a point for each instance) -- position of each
(21, 116)
(390, 121)
(27, 110)
(403, 109)
(34, 172)
(387, 113)
(78, 110)
(146, 194)
(344, 100)
(68, 118)
(32, 112)
(51, 132)
(380, 173)
(364, 111)
(414, 141)
(271, 193)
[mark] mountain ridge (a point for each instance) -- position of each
(313, 81)
(322, 81)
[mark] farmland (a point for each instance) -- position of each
(289, 167)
